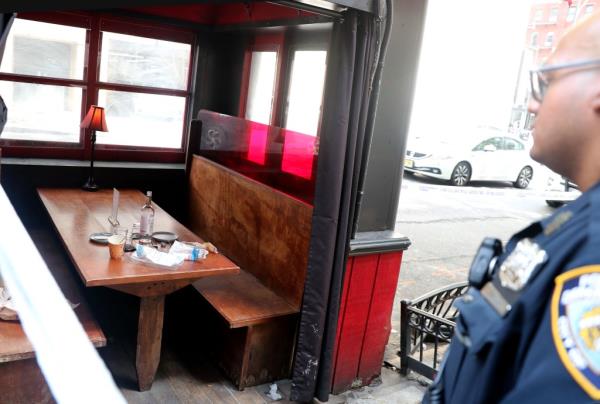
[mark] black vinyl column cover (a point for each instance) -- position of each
(349, 78)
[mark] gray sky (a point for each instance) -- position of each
(469, 65)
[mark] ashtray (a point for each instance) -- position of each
(163, 239)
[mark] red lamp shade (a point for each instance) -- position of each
(95, 119)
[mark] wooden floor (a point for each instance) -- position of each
(186, 374)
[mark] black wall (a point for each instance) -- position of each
(219, 73)
(21, 180)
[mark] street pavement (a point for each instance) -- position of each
(446, 225)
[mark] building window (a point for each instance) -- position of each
(534, 39)
(571, 13)
(539, 15)
(589, 9)
(549, 39)
(553, 15)
(48, 80)
(46, 108)
(138, 115)
(261, 87)
(306, 91)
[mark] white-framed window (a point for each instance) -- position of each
(538, 16)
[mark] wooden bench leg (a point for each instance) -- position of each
(149, 338)
(267, 352)
(246, 358)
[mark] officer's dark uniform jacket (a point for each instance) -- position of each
(514, 355)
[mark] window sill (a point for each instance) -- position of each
(86, 163)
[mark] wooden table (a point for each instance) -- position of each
(76, 214)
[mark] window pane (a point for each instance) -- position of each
(46, 50)
(261, 86)
(127, 59)
(41, 112)
(136, 119)
(306, 92)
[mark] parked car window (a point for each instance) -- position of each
(494, 141)
(512, 144)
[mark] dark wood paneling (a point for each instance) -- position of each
(22, 382)
(264, 231)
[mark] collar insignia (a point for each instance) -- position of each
(557, 222)
(575, 313)
(520, 263)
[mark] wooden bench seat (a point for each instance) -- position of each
(251, 304)
(266, 233)
(21, 380)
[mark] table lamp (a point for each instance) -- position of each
(94, 120)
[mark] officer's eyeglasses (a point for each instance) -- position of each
(539, 82)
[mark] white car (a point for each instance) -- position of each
(560, 190)
(497, 158)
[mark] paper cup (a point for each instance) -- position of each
(116, 244)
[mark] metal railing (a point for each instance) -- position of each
(428, 319)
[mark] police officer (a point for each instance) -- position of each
(529, 325)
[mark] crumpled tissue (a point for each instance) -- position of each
(273, 394)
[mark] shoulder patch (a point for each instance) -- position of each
(575, 314)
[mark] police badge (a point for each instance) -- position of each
(575, 317)
(519, 265)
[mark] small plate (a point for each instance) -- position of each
(100, 238)
(164, 236)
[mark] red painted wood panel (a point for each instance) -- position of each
(377, 331)
(364, 318)
(350, 338)
(342, 313)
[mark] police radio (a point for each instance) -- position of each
(482, 265)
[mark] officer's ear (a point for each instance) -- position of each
(595, 101)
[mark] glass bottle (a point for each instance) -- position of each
(147, 218)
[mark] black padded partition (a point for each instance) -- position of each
(354, 58)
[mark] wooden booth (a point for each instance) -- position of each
(251, 122)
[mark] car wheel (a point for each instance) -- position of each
(461, 174)
(555, 204)
(524, 177)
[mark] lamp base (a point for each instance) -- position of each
(90, 185)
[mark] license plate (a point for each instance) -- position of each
(409, 163)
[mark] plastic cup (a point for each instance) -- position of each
(116, 245)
